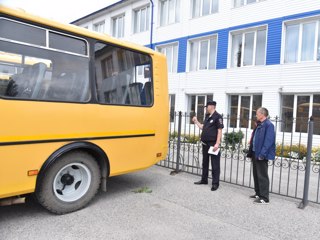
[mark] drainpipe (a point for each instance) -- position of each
(151, 27)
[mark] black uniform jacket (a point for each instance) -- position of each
(210, 128)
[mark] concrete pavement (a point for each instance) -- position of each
(176, 209)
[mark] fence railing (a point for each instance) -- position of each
(294, 173)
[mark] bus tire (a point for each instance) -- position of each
(70, 183)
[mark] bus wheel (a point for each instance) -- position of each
(70, 183)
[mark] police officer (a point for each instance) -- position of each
(210, 136)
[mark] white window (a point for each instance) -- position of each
(118, 26)
(302, 42)
(296, 110)
(248, 48)
(242, 110)
(172, 103)
(171, 52)
(203, 53)
(196, 106)
(141, 19)
(169, 12)
(99, 27)
(239, 3)
(204, 7)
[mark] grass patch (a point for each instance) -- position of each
(143, 190)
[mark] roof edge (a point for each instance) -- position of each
(98, 11)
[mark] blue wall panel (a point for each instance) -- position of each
(222, 51)
(182, 55)
(274, 42)
(273, 54)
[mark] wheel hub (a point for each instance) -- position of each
(67, 179)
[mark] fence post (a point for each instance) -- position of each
(179, 141)
(305, 200)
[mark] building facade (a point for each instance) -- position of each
(241, 53)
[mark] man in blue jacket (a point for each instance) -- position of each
(263, 150)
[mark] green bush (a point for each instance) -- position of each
(316, 154)
(192, 139)
(185, 138)
(291, 151)
(173, 135)
(233, 138)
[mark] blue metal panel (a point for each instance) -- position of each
(274, 42)
(182, 55)
(222, 51)
(274, 37)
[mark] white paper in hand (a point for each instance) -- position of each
(210, 151)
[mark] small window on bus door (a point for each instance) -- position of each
(118, 76)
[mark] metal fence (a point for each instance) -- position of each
(294, 173)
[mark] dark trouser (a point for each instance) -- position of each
(261, 178)
(215, 165)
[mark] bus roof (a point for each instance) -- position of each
(19, 13)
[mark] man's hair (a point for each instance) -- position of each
(263, 111)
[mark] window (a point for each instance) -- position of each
(99, 27)
(302, 42)
(203, 54)
(248, 48)
(169, 12)
(196, 106)
(204, 7)
(171, 52)
(118, 26)
(118, 81)
(296, 110)
(239, 3)
(59, 72)
(243, 110)
(172, 103)
(31, 35)
(141, 19)
(66, 43)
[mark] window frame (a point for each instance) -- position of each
(196, 110)
(174, 59)
(97, 25)
(245, 3)
(137, 22)
(193, 16)
(243, 33)
(95, 82)
(49, 49)
(238, 116)
(172, 106)
(295, 111)
(300, 22)
(176, 17)
(115, 25)
(198, 41)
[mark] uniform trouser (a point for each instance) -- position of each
(261, 178)
(215, 165)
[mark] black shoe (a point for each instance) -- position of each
(254, 196)
(201, 182)
(260, 201)
(214, 187)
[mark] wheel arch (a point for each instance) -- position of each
(94, 150)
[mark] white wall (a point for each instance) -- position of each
(271, 81)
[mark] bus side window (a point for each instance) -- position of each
(117, 76)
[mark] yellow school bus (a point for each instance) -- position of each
(77, 107)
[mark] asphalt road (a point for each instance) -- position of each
(175, 209)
